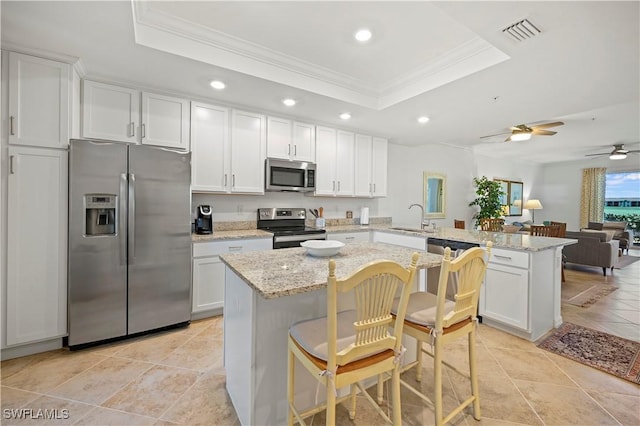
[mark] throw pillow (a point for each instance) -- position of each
(595, 225)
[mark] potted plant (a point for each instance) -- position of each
(488, 199)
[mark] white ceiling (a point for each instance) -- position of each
(448, 60)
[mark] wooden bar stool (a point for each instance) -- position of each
(458, 224)
(344, 348)
(491, 224)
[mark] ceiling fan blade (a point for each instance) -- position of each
(543, 132)
(593, 155)
(547, 125)
(508, 139)
(497, 134)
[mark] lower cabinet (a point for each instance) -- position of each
(349, 237)
(418, 243)
(208, 272)
(506, 295)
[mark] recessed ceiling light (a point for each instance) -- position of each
(363, 35)
(289, 102)
(218, 85)
(423, 119)
(345, 116)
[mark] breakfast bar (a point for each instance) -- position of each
(264, 296)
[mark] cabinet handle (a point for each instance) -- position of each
(11, 131)
(12, 169)
(233, 180)
(369, 187)
(289, 149)
(235, 248)
(132, 129)
(502, 257)
(144, 133)
(295, 150)
(349, 238)
(338, 186)
(225, 180)
(374, 187)
(334, 185)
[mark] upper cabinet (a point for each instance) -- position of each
(289, 140)
(38, 101)
(379, 167)
(228, 150)
(113, 113)
(370, 166)
(334, 162)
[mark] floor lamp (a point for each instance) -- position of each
(533, 205)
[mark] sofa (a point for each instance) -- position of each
(594, 248)
(617, 229)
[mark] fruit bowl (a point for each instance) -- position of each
(322, 248)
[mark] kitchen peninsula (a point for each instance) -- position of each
(265, 293)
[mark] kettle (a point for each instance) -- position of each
(204, 221)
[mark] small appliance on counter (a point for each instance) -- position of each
(204, 221)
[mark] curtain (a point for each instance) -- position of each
(592, 199)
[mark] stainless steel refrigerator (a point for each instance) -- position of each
(129, 240)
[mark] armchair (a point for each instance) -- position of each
(618, 229)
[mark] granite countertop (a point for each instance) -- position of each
(238, 234)
(291, 271)
(336, 229)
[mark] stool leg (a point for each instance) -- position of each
(473, 373)
(380, 389)
(352, 412)
(290, 381)
(437, 382)
(419, 359)
(331, 405)
(397, 410)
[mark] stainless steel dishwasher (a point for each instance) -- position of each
(437, 245)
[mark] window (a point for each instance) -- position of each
(622, 200)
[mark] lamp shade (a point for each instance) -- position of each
(505, 210)
(533, 205)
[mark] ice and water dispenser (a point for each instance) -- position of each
(100, 214)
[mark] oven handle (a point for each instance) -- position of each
(301, 238)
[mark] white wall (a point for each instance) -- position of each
(562, 183)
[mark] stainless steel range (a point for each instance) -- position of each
(288, 227)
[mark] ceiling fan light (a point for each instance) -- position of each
(521, 136)
(618, 156)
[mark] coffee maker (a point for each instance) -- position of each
(204, 221)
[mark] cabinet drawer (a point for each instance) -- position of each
(518, 259)
(229, 246)
(349, 237)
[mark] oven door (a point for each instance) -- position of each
(287, 241)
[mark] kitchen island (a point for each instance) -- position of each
(267, 292)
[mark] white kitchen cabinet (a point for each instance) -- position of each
(418, 243)
(36, 286)
(248, 152)
(165, 121)
(209, 272)
(349, 237)
(506, 295)
(38, 101)
(114, 113)
(110, 112)
(335, 151)
(210, 148)
(370, 166)
(289, 140)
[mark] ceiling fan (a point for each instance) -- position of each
(618, 153)
(523, 132)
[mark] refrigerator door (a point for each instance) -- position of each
(159, 238)
(97, 245)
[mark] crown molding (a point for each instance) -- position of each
(45, 54)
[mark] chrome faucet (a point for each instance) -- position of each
(423, 222)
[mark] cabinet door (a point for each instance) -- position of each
(304, 142)
(345, 161)
(279, 138)
(110, 112)
(248, 147)
(165, 121)
(505, 295)
(209, 148)
(362, 168)
(36, 306)
(379, 167)
(208, 284)
(38, 102)
(325, 161)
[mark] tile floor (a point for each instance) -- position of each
(177, 377)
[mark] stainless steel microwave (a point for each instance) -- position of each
(284, 175)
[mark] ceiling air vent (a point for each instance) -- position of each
(521, 30)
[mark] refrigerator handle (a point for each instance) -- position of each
(122, 223)
(132, 218)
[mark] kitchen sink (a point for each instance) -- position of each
(421, 231)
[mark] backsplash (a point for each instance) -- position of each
(252, 224)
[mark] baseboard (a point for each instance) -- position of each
(30, 349)
(206, 314)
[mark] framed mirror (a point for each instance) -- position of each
(434, 195)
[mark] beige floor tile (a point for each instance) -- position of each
(152, 393)
(154, 348)
(14, 398)
(494, 338)
(98, 383)
(197, 354)
(535, 367)
(562, 405)
(57, 412)
(47, 373)
(12, 366)
(630, 315)
(627, 331)
(106, 417)
(199, 325)
(625, 408)
(206, 403)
